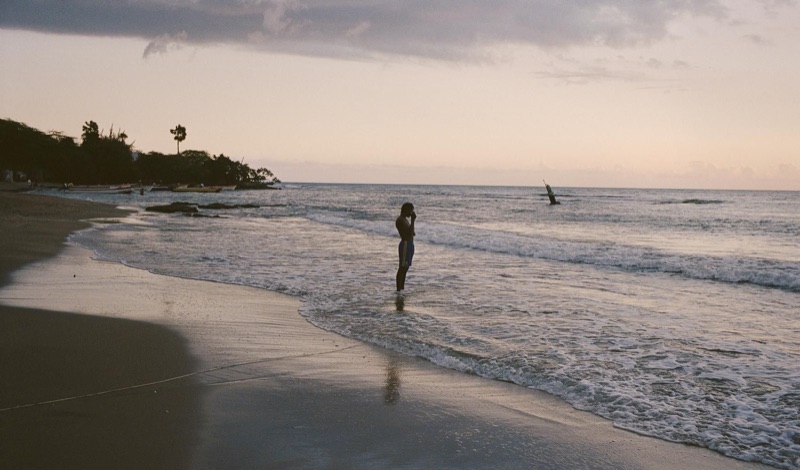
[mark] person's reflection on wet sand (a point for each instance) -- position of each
(400, 303)
(392, 389)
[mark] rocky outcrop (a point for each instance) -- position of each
(219, 206)
(175, 207)
(190, 208)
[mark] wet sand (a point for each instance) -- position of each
(47, 355)
(242, 381)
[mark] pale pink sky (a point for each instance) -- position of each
(698, 94)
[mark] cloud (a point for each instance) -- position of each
(438, 29)
(772, 6)
(757, 40)
(648, 72)
(165, 43)
(584, 74)
(358, 30)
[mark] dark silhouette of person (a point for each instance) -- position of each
(406, 248)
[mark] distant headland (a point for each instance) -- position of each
(35, 157)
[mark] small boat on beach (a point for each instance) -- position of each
(167, 187)
(198, 189)
(122, 189)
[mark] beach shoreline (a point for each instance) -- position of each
(48, 357)
(250, 383)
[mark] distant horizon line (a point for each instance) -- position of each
(622, 188)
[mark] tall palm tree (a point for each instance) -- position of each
(180, 135)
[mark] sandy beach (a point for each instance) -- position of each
(106, 366)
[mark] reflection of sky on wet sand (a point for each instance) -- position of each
(280, 391)
(392, 389)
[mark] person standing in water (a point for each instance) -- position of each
(406, 248)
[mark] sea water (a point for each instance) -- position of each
(675, 314)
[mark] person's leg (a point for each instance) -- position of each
(401, 278)
(402, 250)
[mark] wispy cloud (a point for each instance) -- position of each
(592, 73)
(757, 40)
(439, 29)
(165, 43)
(648, 72)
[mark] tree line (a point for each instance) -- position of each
(107, 158)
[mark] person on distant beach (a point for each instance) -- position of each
(406, 248)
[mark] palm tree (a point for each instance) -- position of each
(91, 131)
(180, 135)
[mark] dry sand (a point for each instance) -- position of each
(160, 372)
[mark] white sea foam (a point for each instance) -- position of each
(732, 268)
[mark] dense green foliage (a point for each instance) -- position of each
(108, 159)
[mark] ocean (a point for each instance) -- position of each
(672, 313)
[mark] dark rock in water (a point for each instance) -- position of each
(219, 205)
(202, 216)
(183, 207)
(241, 186)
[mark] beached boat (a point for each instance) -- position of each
(167, 187)
(122, 189)
(198, 189)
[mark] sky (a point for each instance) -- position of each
(610, 93)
